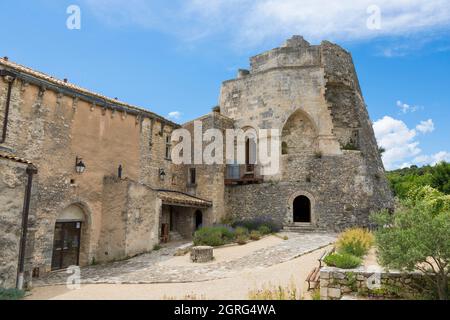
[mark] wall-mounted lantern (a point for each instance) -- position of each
(79, 165)
(162, 174)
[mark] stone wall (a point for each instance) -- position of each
(130, 224)
(339, 187)
(334, 283)
(13, 181)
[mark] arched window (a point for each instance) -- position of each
(302, 209)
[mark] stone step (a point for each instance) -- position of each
(298, 228)
(175, 236)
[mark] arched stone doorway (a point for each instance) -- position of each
(70, 237)
(198, 219)
(301, 209)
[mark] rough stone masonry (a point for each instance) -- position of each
(331, 175)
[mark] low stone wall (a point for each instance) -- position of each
(335, 282)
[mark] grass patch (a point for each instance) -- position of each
(343, 260)
(255, 235)
(270, 292)
(11, 294)
(315, 295)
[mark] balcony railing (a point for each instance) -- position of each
(242, 174)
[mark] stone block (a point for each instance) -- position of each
(334, 293)
(324, 293)
(202, 254)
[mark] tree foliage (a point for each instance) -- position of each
(406, 179)
(417, 236)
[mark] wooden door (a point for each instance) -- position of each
(66, 245)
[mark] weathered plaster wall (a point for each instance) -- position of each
(143, 212)
(51, 129)
(130, 219)
(210, 178)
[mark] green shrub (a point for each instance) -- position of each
(255, 235)
(241, 231)
(241, 239)
(157, 247)
(355, 242)
(11, 294)
(264, 230)
(256, 223)
(214, 236)
(342, 260)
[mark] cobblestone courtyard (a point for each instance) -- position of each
(161, 267)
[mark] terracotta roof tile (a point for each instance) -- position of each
(175, 197)
(62, 83)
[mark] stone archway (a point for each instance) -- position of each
(71, 237)
(301, 209)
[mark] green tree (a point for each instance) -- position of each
(441, 177)
(417, 237)
(406, 179)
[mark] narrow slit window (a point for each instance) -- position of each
(168, 147)
(192, 176)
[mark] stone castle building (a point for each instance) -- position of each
(103, 186)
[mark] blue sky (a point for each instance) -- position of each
(171, 57)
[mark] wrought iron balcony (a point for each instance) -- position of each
(242, 174)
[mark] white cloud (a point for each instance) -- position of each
(398, 141)
(249, 23)
(405, 108)
(425, 126)
(174, 115)
(401, 144)
(432, 159)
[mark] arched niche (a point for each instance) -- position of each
(299, 134)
